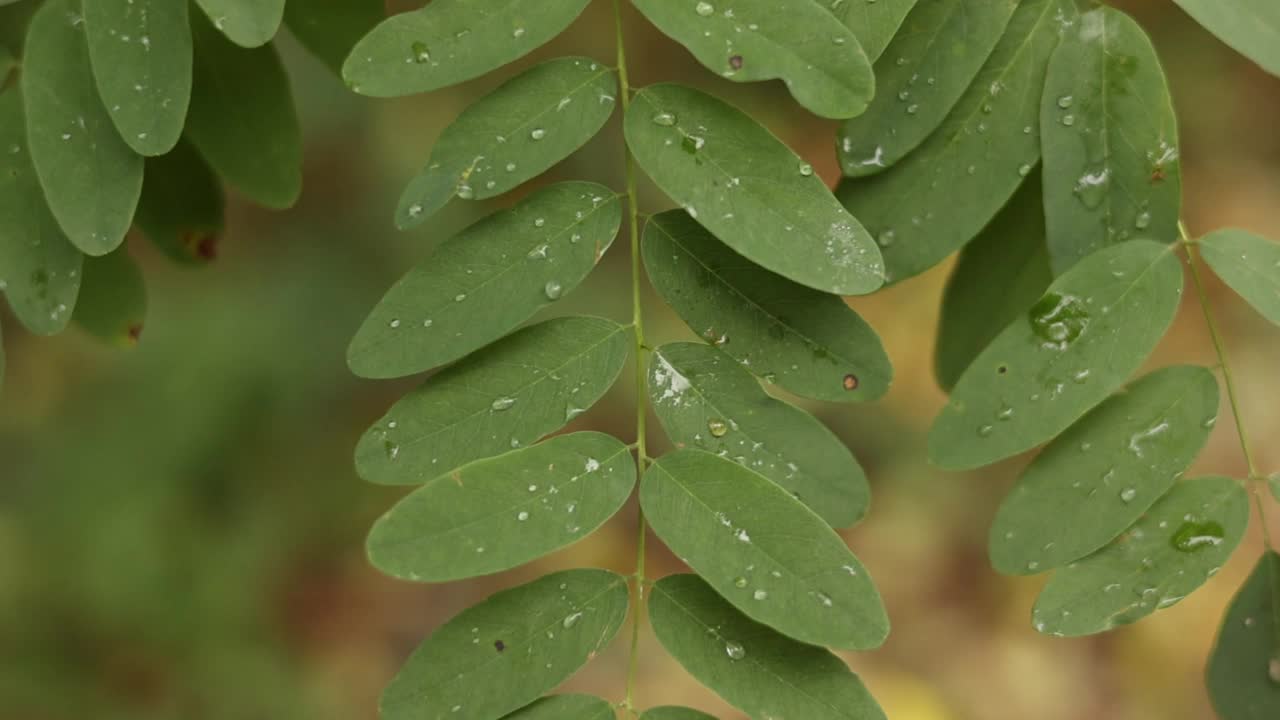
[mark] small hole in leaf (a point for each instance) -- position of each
(850, 382)
(1002, 369)
(735, 62)
(499, 645)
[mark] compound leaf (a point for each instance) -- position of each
(182, 205)
(450, 41)
(141, 53)
(247, 23)
(330, 29)
(765, 552)
(1245, 662)
(673, 712)
(1103, 473)
(502, 654)
(1252, 27)
(1172, 550)
(1249, 264)
(821, 62)
(807, 342)
(91, 178)
(113, 299)
(565, 707)
(1089, 332)
(750, 190)
(510, 394)
(705, 399)
(513, 134)
(875, 23)
(755, 668)
(499, 513)
(488, 279)
(924, 71)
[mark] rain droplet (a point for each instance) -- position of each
(420, 52)
(665, 119)
(704, 9)
(553, 290)
(1059, 319)
(806, 170)
(538, 133)
(522, 516)
(740, 582)
(760, 595)
(571, 620)
(1065, 101)
(1193, 537)
(1128, 494)
(503, 403)
(717, 427)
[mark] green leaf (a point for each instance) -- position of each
(242, 118)
(39, 268)
(1274, 482)
(748, 188)
(821, 62)
(450, 41)
(940, 196)
(91, 178)
(765, 552)
(8, 63)
(706, 400)
(1102, 474)
(141, 53)
(997, 278)
(2, 361)
(1249, 264)
(513, 134)
(1078, 343)
(248, 23)
(807, 342)
(182, 205)
(488, 279)
(500, 513)
(510, 394)
(1109, 139)
(924, 71)
(765, 674)
(113, 299)
(565, 707)
(502, 654)
(672, 712)
(1252, 27)
(1172, 550)
(1245, 664)
(875, 23)
(330, 29)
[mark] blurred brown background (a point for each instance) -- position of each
(181, 528)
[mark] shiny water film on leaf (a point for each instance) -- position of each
(113, 299)
(564, 707)
(1244, 669)
(797, 41)
(502, 654)
(508, 395)
(182, 206)
(330, 29)
(874, 23)
(807, 342)
(502, 512)
(924, 71)
(1171, 551)
(247, 23)
(943, 194)
(763, 550)
(1090, 331)
(753, 667)
(487, 279)
(91, 178)
(1101, 475)
(1109, 138)
(750, 190)
(1248, 264)
(705, 400)
(1252, 27)
(513, 134)
(450, 41)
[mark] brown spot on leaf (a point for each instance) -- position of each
(134, 333)
(735, 62)
(850, 382)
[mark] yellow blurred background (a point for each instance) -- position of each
(181, 527)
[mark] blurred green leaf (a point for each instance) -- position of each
(750, 190)
(808, 342)
(672, 712)
(875, 23)
(1249, 264)
(248, 23)
(8, 63)
(940, 196)
(39, 268)
(707, 401)
(1245, 664)
(1172, 550)
(1252, 27)
(763, 673)
(2, 362)
(450, 41)
(113, 299)
(500, 513)
(513, 134)
(1090, 331)
(565, 707)
(141, 54)
(242, 117)
(1105, 471)
(765, 552)
(182, 205)
(925, 70)
(330, 29)
(91, 178)
(510, 394)
(1109, 139)
(1274, 482)
(486, 280)
(504, 653)
(821, 62)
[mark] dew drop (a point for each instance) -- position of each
(733, 649)
(420, 52)
(1059, 319)
(553, 290)
(522, 516)
(760, 594)
(806, 170)
(740, 582)
(704, 9)
(538, 133)
(717, 427)
(665, 119)
(503, 403)
(1192, 536)
(571, 620)
(1065, 101)
(1128, 494)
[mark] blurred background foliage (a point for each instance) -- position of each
(181, 529)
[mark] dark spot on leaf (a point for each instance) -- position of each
(134, 333)
(201, 244)
(735, 62)
(850, 382)
(1157, 174)
(499, 645)
(1002, 369)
